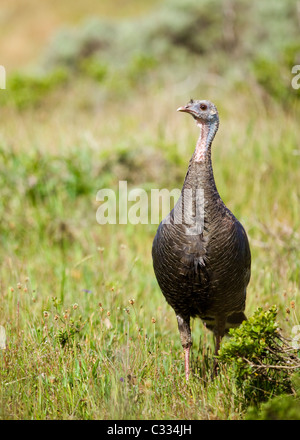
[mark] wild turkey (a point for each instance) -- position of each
(202, 265)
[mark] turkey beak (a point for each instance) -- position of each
(189, 108)
(183, 109)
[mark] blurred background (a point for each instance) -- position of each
(215, 43)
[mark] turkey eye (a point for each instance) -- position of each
(203, 107)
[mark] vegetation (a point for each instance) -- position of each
(282, 407)
(259, 359)
(87, 332)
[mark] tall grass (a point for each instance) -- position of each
(89, 334)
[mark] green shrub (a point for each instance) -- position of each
(71, 45)
(140, 65)
(258, 358)
(94, 68)
(275, 76)
(27, 90)
(284, 407)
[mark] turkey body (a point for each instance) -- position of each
(201, 254)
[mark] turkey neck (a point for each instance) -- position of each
(204, 204)
(200, 173)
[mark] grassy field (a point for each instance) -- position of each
(89, 334)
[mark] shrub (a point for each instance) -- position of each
(27, 90)
(284, 407)
(275, 76)
(259, 359)
(94, 68)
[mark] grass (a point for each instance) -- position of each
(77, 347)
(89, 334)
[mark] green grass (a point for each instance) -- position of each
(111, 360)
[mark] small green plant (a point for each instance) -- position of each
(67, 325)
(259, 359)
